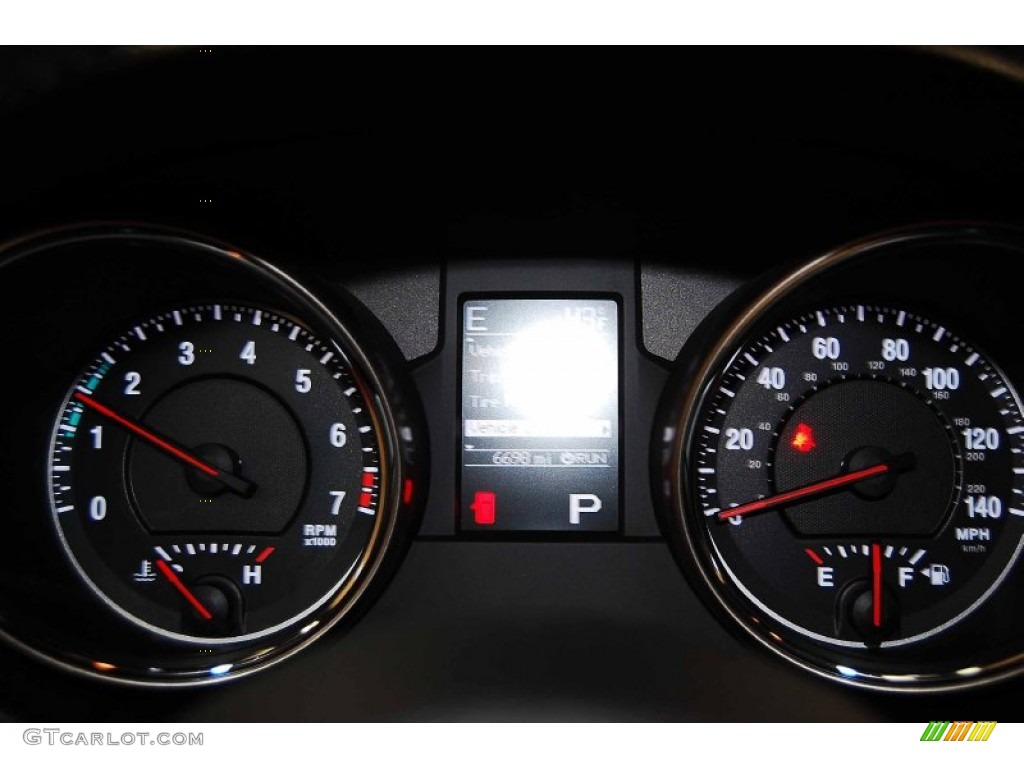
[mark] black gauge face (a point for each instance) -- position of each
(215, 474)
(857, 473)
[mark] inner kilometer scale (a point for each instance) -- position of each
(215, 474)
(858, 473)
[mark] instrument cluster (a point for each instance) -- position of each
(211, 461)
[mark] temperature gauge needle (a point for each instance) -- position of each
(898, 463)
(239, 485)
(172, 577)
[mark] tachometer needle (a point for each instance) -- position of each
(172, 577)
(898, 463)
(876, 584)
(239, 485)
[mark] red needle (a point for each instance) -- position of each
(236, 484)
(172, 577)
(813, 489)
(876, 583)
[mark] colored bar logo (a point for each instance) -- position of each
(958, 731)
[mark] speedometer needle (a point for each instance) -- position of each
(172, 577)
(239, 485)
(898, 463)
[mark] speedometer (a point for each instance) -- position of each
(857, 469)
(842, 467)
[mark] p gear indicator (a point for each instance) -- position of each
(540, 415)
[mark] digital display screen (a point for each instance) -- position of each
(540, 415)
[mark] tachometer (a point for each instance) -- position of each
(216, 473)
(219, 480)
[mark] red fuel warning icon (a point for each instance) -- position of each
(484, 506)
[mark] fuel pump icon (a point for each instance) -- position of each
(938, 574)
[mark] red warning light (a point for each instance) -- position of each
(803, 438)
(484, 506)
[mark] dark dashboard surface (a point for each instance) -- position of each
(669, 177)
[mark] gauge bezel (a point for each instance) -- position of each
(378, 369)
(673, 457)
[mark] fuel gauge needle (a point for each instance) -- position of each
(172, 577)
(239, 485)
(876, 584)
